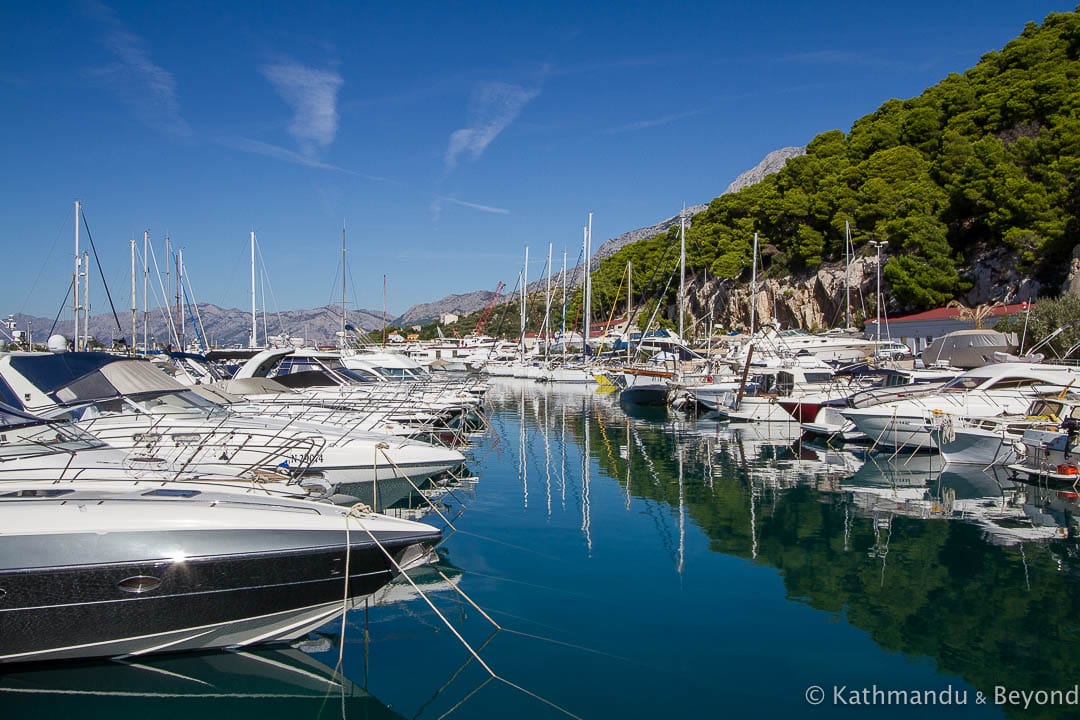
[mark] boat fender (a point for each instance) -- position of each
(1066, 469)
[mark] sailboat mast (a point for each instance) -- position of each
(145, 281)
(629, 303)
(86, 301)
(564, 299)
(847, 274)
(134, 305)
(168, 287)
(547, 305)
(76, 280)
(254, 317)
(586, 289)
(524, 298)
(344, 312)
(753, 288)
(682, 268)
(180, 304)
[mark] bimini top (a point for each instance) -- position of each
(83, 376)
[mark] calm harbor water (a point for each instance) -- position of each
(640, 564)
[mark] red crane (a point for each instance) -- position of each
(489, 308)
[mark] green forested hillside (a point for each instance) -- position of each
(987, 159)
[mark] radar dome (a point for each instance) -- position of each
(58, 344)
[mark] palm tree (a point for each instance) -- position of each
(976, 314)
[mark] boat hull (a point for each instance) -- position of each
(977, 446)
(90, 576)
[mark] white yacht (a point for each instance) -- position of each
(1001, 388)
(113, 571)
(134, 406)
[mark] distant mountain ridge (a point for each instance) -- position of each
(223, 327)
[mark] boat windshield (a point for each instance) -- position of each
(159, 403)
(964, 383)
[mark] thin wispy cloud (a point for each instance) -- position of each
(257, 147)
(312, 95)
(492, 109)
(438, 201)
(476, 206)
(146, 87)
(655, 122)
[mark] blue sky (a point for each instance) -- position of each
(447, 136)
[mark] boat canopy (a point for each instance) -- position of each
(966, 348)
(83, 376)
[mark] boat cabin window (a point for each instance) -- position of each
(358, 376)
(1045, 408)
(896, 380)
(291, 364)
(37, 493)
(762, 383)
(171, 492)
(1023, 382)
(960, 384)
(110, 406)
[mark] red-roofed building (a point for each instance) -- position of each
(919, 329)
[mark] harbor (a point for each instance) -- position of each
(601, 549)
(470, 361)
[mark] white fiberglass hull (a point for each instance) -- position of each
(978, 446)
(893, 431)
(114, 570)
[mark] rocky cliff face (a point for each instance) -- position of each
(816, 302)
(812, 302)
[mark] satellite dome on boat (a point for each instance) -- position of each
(58, 344)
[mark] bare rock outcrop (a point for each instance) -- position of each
(814, 302)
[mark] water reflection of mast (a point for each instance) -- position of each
(881, 549)
(1023, 559)
(586, 510)
(562, 452)
(547, 455)
(629, 452)
(753, 496)
(682, 518)
(523, 471)
(661, 514)
(847, 526)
